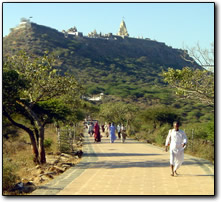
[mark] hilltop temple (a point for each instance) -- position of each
(123, 29)
(122, 33)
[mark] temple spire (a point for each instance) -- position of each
(123, 29)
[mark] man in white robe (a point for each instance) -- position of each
(177, 140)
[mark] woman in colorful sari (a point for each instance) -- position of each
(97, 135)
(112, 133)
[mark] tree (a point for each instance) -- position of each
(118, 112)
(160, 115)
(45, 84)
(204, 57)
(13, 86)
(192, 84)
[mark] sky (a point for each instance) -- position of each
(176, 24)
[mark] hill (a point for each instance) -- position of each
(111, 64)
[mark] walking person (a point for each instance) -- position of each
(112, 133)
(97, 135)
(123, 133)
(90, 129)
(177, 141)
(102, 128)
(106, 129)
(119, 131)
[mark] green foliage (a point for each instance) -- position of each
(210, 130)
(195, 84)
(39, 102)
(93, 90)
(160, 115)
(162, 133)
(8, 130)
(118, 112)
(133, 65)
(53, 110)
(48, 143)
(13, 87)
(9, 177)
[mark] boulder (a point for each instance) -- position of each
(79, 153)
(65, 155)
(57, 169)
(24, 187)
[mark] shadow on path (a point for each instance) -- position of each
(128, 164)
(116, 154)
(189, 175)
(116, 142)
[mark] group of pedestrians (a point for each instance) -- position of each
(109, 130)
(176, 139)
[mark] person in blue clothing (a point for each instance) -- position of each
(112, 133)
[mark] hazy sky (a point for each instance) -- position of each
(173, 23)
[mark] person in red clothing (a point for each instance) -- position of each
(97, 134)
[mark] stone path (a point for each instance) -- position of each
(130, 168)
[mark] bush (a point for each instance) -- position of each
(162, 134)
(9, 176)
(210, 131)
(160, 115)
(47, 143)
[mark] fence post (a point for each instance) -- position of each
(192, 139)
(59, 138)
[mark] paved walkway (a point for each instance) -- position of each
(130, 168)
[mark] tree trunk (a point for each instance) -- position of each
(41, 146)
(30, 133)
(40, 126)
(34, 149)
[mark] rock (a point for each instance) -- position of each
(29, 187)
(57, 169)
(66, 166)
(49, 175)
(24, 187)
(64, 159)
(79, 153)
(52, 160)
(18, 187)
(56, 161)
(66, 163)
(41, 180)
(65, 155)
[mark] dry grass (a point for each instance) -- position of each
(18, 152)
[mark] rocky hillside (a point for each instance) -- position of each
(99, 63)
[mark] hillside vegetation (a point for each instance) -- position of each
(124, 64)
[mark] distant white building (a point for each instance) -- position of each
(23, 24)
(95, 97)
(73, 31)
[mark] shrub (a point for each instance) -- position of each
(9, 176)
(160, 115)
(162, 134)
(48, 143)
